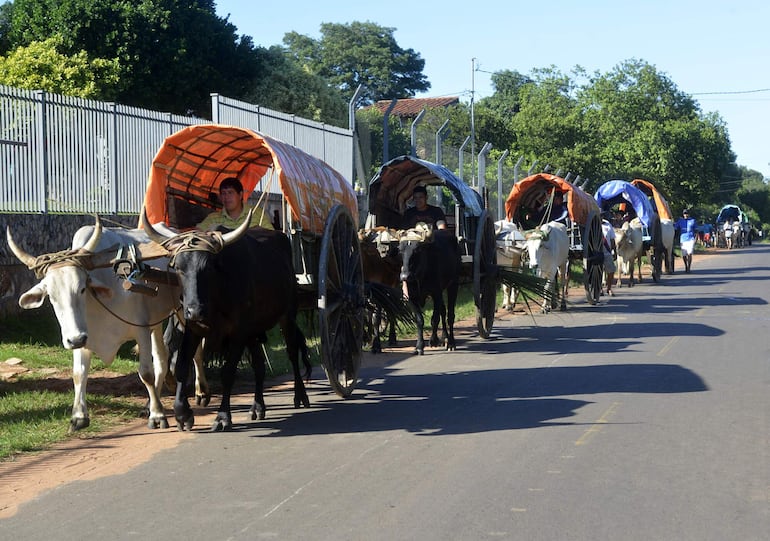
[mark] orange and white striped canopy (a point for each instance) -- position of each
(195, 160)
(525, 191)
(659, 202)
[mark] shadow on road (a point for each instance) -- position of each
(567, 339)
(471, 402)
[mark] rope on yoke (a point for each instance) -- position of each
(422, 232)
(193, 241)
(535, 234)
(77, 258)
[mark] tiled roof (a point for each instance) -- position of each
(411, 107)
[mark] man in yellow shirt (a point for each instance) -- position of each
(233, 212)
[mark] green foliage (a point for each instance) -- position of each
(370, 127)
(287, 86)
(5, 27)
(360, 53)
(40, 66)
(171, 55)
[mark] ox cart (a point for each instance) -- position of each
(741, 235)
(319, 214)
(584, 225)
(389, 192)
(634, 201)
(661, 207)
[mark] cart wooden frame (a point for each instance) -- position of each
(644, 199)
(391, 188)
(662, 208)
(320, 216)
(584, 225)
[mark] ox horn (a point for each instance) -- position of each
(93, 241)
(232, 236)
(154, 234)
(22, 256)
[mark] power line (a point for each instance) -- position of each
(731, 92)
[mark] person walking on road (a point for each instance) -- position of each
(686, 227)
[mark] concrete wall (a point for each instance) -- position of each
(39, 234)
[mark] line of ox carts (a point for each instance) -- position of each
(222, 291)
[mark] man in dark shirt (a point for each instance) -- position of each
(423, 212)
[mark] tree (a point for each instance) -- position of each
(40, 66)
(172, 53)
(349, 55)
(549, 126)
(288, 87)
(506, 99)
(5, 27)
(371, 134)
(754, 193)
(642, 125)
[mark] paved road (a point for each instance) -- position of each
(644, 418)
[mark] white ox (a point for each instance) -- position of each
(511, 245)
(548, 250)
(630, 249)
(97, 315)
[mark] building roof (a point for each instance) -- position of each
(411, 107)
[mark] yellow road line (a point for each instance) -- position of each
(598, 425)
(668, 346)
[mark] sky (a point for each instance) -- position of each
(716, 51)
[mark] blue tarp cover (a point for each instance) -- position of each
(729, 212)
(613, 192)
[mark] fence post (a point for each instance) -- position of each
(500, 184)
(354, 136)
(416, 121)
(516, 169)
(386, 131)
(214, 108)
(461, 161)
(481, 183)
(112, 145)
(42, 144)
(440, 136)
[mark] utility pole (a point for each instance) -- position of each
(473, 119)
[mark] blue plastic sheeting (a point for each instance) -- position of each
(392, 185)
(613, 192)
(729, 212)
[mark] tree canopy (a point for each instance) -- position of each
(360, 53)
(40, 66)
(171, 53)
(286, 86)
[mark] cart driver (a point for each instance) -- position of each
(558, 209)
(551, 210)
(423, 212)
(233, 211)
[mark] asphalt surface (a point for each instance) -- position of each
(646, 417)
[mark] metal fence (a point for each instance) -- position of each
(329, 143)
(60, 154)
(474, 164)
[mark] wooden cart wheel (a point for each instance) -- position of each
(341, 301)
(656, 254)
(485, 275)
(593, 257)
